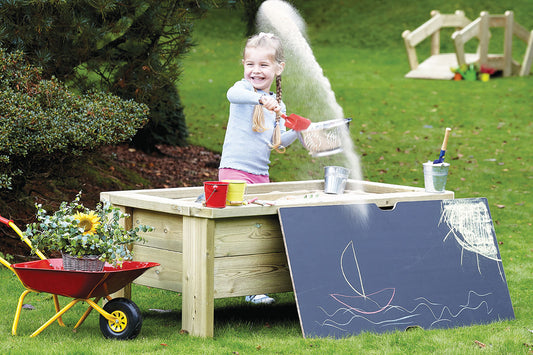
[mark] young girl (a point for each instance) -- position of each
(254, 127)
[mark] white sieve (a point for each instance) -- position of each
(324, 138)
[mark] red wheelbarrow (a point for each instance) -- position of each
(120, 318)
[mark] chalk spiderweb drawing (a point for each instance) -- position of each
(471, 226)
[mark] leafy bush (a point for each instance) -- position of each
(42, 118)
(130, 48)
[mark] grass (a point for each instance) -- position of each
(397, 125)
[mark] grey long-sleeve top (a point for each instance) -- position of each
(243, 148)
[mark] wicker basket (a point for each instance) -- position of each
(82, 263)
(323, 138)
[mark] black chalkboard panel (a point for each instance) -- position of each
(432, 264)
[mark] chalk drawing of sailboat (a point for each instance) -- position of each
(361, 302)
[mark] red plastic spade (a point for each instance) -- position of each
(293, 121)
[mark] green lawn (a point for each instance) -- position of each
(397, 125)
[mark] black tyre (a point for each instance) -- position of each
(129, 320)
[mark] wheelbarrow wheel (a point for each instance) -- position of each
(129, 320)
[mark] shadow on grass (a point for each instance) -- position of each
(236, 315)
(262, 315)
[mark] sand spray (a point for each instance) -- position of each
(308, 84)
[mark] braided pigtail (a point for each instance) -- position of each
(276, 136)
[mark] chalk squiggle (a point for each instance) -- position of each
(408, 316)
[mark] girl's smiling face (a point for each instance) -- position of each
(260, 68)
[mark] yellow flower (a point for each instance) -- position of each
(89, 222)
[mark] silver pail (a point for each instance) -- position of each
(435, 176)
(335, 178)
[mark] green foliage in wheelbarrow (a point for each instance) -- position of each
(76, 230)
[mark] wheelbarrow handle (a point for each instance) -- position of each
(2, 260)
(10, 223)
(5, 220)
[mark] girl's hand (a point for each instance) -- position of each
(270, 103)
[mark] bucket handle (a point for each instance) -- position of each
(215, 187)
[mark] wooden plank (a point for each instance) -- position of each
(435, 43)
(248, 236)
(484, 38)
(198, 276)
(167, 276)
(460, 54)
(438, 67)
(126, 223)
(287, 186)
(251, 275)
(528, 57)
(175, 193)
(521, 32)
(497, 20)
(168, 229)
(468, 32)
(411, 51)
(378, 188)
(425, 30)
(508, 44)
(149, 202)
(458, 19)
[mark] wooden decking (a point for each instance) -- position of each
(438, 67)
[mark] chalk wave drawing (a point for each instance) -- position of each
(425, 313)
(470, 224)
(378, 310)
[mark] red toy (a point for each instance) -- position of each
(120, 318)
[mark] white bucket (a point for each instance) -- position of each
(435, 176)
(335, 178)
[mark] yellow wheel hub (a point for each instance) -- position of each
(120, 323)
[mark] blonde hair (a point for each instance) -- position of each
(269, 40)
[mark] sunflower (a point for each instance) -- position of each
(89, 222)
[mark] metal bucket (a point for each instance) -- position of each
(215, 193)
(323, 138)
(236, 190)
(435, 176)
(335, 178)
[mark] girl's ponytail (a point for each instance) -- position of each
(276, 136)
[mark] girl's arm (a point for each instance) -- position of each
(242, 92)
(288, 137)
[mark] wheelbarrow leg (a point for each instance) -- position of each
(19, 309)
(56, 305)
(100, 310)
(86, 314)
(17, 313)
(54, 318)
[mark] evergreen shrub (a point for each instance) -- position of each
(42, 119)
